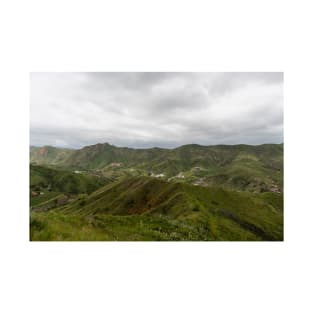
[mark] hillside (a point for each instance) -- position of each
(237, 167)
(49, 155)
(142, 208)
(48, 186)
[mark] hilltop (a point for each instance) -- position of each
(238, 167)
(49, 154)
(50, 187)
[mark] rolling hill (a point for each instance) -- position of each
(237, 167)
(49, 155)
(50, 187)
(192, 192)
(144, 208)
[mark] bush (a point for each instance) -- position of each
(36, 224)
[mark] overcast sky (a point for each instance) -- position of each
(155, 109)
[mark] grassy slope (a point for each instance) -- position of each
(49, 155)
(63, 181)
(239, 167)
(151, 209)
(59, 186)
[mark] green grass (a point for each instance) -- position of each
(143, 208)
(44, 178)
(48, 195)
(55, 226)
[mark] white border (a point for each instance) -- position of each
(155, 36)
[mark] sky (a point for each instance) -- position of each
(155, 109)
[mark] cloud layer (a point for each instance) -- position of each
(155, 109)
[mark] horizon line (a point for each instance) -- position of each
(156, 147)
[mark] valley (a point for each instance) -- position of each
(192, 193)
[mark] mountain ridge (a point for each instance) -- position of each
(154, 147)
(242, 167)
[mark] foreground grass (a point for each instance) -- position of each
(55, 226)
(147, 209)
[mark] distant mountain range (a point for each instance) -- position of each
(240, 167)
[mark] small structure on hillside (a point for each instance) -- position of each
(157, 175)
(274, 188)
(116, 164)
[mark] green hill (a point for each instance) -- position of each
(50, 187)
(142, 208)
(103, 192)
(49, 155)
(238, 167)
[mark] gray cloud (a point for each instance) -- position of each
(155, 109)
